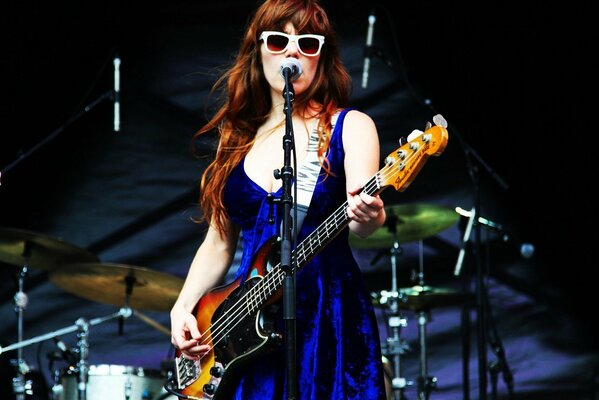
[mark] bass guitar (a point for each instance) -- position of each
(236, 319)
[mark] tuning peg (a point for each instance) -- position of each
(440, 121)
(428, 126)
(414, 134)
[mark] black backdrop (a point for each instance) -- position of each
(509, 79)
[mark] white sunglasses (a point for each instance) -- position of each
(277, 42)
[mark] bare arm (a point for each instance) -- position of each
(362, 152)
(210, 264)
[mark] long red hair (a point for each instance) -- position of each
(245, 107)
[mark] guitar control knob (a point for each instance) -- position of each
(216, 372)
(209, 388)
(276, 336)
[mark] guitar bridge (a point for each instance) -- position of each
(187, 371)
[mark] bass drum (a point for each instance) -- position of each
(114, 382)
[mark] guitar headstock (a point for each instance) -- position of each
(403, 164)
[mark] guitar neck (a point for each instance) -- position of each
(401, 167)
(330, 228)
(311, 245)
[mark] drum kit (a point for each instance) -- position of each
(79, 272)
(408, 223)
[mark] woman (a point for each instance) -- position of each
(338, 348)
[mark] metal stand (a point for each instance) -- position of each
(289, 295)
(500, 365)
(125, 312)
(425, 383)
(82, 327)
(486, 328)
(481, 318)
(395, 346)
(21, 300)
(83, 363)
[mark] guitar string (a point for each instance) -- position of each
(301, 249)
(271, 279)
(276, 270)
(238, 310)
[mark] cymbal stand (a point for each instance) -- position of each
(395, 346)
(129, 284)
(425, 382)
(83, 363)
(21, 301)
(82, 327)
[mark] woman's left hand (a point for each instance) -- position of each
(362, 207)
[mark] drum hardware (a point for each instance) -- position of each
(421, 298)
(111, 381)
(119, 285)
(83, 363)
(425, 383)
(404, 223)
(82, 327)
(26, 249)
(407, 223)
(20, 247)
(131, 287)
(153, 291)
(395, 346)
(21, 301)
(114, 284)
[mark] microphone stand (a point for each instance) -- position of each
(289, 295)
(501, 364)
(480, 296)
(482, 301)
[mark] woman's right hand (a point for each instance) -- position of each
(204, 274)
(185, 334)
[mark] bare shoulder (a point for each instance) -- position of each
(359, 118)
(359, 127)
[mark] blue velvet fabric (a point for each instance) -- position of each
(338, 348)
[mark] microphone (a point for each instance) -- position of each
(368, 48)
(525, 250)
(292, 68)
(117, 89)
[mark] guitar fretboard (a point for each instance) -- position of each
(307, 249)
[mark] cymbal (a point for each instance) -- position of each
(411, 222)
(109, 283)
(20, 247)
(419, 297)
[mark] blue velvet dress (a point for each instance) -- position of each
(338, 348)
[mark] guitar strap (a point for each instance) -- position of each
(308, 173)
